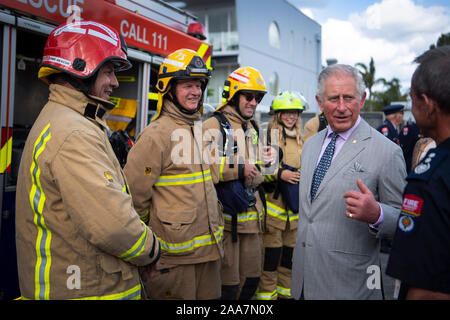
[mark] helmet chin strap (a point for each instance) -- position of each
(83, 85)
(172, 97)
(235, 103)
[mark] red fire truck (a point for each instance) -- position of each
(152, 30)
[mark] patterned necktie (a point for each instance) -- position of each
(323, 165)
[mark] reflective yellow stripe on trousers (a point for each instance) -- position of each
(266, 295)
(274, 294)
(37, 200)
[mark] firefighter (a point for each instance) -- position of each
(314, 125)
(238, 180)
(72, 196)
(282, 199)
(172, 186)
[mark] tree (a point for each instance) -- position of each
(443, 40)
(368, 75)
(393, 93)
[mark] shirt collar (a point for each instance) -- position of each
(344, 135)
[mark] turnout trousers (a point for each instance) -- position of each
(186, 282)
(275, 280)
(241, 266)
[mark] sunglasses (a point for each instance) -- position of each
(249, 96)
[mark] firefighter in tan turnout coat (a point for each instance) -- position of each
(282, 198)
(78, 235)
(172, 186)
(234, 134)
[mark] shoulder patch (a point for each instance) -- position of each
(412, 204)
(426, 167)
(405, 131)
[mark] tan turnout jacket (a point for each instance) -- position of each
(252, 220)
(78, 235)
(278, 214)
(172, 187)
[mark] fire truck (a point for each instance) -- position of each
(152, 29)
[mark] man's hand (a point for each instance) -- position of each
(290, 176)
(362, 205)
(147, 271)
(270, 155)
(250, 170)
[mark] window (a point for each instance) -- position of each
(274, 35)
(273, 84)
(221, 29)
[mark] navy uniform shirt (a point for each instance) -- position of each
(420, 255)
(389, 131)
(408, 137)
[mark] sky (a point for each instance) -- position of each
(393, 32)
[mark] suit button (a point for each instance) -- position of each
(303, 244)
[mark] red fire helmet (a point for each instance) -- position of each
(80, 48)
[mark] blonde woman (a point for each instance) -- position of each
(282, 199)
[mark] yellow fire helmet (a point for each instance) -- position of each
(180, 64)
(242, 79)
(289, 101)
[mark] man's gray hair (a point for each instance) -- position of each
(340, 69)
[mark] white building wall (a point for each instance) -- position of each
(296, 61)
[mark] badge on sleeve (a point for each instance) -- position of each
(411, 210)
(412, 204)
(406, 223)
(405, 131)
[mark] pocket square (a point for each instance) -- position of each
(358, 167)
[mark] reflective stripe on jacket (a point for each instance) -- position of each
(72, 207)
(172, 185)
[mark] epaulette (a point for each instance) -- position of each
(424, 170)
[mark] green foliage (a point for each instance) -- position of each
(377, 100)
(444, 40)
(392, 93)
(368, 75)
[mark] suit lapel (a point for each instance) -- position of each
(351, 148)
(310, 165)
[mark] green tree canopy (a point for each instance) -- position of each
(443, 40)
(392, 93)
(368, 75)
